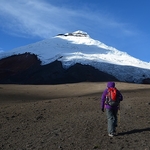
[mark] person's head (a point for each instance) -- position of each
(110, 84)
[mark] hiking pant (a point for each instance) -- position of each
(111, 120)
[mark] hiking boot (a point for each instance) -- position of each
(111, 134)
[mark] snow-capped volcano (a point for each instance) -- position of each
(79, 47)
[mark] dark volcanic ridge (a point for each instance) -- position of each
(27, 69)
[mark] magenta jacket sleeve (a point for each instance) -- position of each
(120, 96)
(103, 98)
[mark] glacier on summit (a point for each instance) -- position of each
(79, 47)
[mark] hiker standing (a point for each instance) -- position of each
(111, 107)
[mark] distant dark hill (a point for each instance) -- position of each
(27, 69)
(11, 67)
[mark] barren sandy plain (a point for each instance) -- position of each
(68, 117)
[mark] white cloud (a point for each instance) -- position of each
(31, 17)
(36, 18)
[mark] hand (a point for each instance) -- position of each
(102, 109)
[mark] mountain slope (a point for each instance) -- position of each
(26, 69)
(78, 47)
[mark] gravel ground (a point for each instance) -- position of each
(68, 117)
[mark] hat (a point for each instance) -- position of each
(111, 84)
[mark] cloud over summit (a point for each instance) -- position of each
(36, 18)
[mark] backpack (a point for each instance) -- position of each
(112, 97)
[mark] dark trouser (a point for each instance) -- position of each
(112, 120)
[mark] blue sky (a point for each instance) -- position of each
(122, 24)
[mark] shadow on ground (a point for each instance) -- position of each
(134, 131)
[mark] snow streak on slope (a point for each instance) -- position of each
(78, 47)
